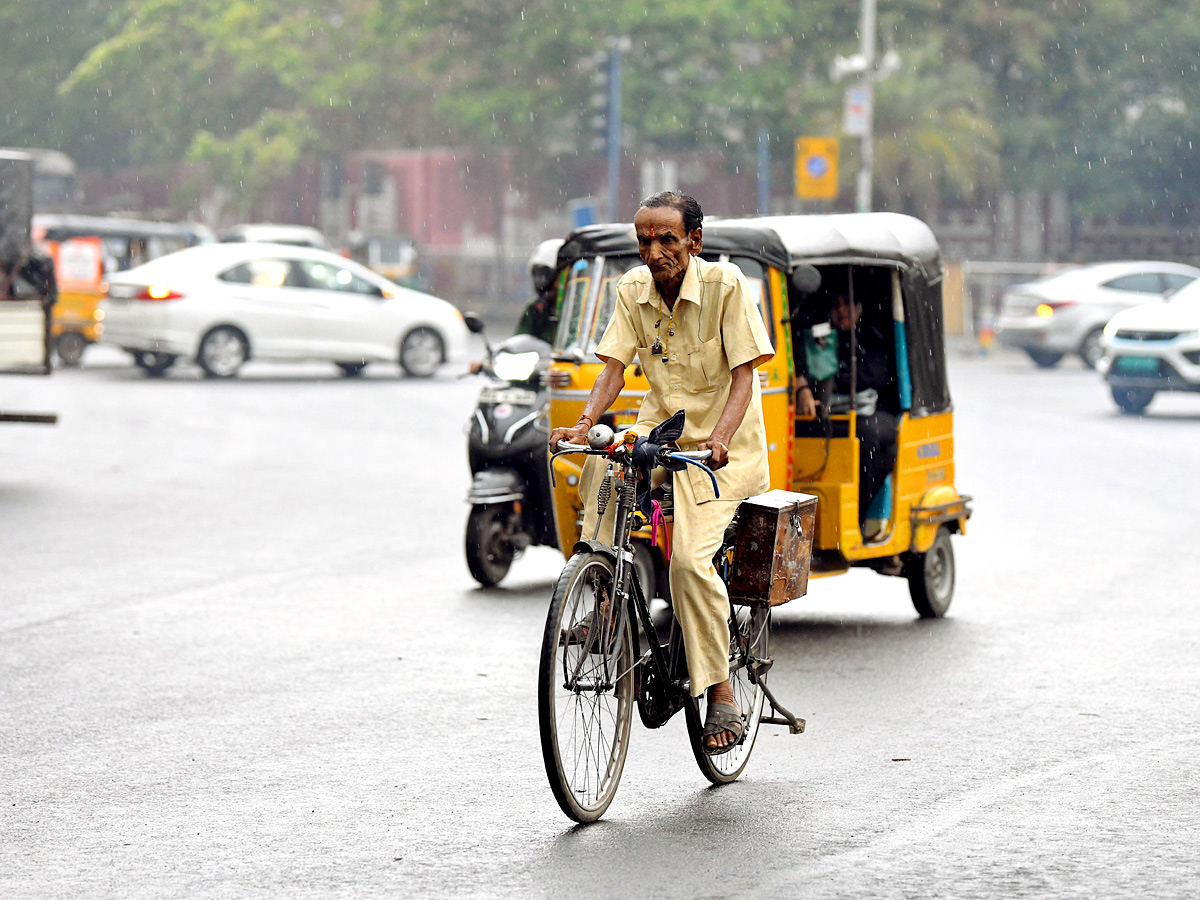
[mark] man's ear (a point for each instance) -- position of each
(697, 239)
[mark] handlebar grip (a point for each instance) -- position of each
(570, 445)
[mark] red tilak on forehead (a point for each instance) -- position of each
(652, 232)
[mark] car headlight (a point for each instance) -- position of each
(515, 366)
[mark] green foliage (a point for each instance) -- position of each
(1094, 96)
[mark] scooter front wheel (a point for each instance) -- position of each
(489, 553)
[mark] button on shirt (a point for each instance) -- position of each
(715, 327)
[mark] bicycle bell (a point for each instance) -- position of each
(599, 437)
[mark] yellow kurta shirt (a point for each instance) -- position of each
(715, 327)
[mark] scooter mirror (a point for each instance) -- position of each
(806, 279)
(473, 322)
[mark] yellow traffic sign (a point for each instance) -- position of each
(816, 168)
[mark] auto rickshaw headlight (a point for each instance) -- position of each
(1044, 311)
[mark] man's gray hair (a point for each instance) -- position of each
(693, 215)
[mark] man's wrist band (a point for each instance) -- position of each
(589, 421)
(805, 387)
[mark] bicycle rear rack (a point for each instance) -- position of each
(779, 713)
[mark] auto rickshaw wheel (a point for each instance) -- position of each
(70, 347)
(931, 577)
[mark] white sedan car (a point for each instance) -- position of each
(1153, 348)
(1066, 313)
(223, 304)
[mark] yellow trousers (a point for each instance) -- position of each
(698, 595)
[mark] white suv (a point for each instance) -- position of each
(1153, 348)
(1066, 313)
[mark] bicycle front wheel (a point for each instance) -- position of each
(749, 634)
(585, 688)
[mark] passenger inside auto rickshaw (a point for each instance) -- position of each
(845, 348)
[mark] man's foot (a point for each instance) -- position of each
(723, 723)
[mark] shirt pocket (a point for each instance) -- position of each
(652, 367)
(708, 369)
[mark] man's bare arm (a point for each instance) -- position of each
(606, 389)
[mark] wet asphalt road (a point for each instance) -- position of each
(241, 656)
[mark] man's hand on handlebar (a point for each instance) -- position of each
(719, 450)
(576, 434)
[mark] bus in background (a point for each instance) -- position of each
(27, 289)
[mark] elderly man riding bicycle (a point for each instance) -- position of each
(699, 337)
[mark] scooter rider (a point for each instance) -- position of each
(699, 337)
(540, 316)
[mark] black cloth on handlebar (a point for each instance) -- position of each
(645, 456)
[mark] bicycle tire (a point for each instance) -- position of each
(585, 689)
(749, 639)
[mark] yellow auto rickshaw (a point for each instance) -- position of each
(892, 267)
(87, 248)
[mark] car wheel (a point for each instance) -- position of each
(351, 369)
(1044, 359)
(1090, 350)
(1132, 400)
(69, 347)
(421, 352)
(222, 352)
(153, 364)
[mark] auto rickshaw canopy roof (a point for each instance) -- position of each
(870, 238)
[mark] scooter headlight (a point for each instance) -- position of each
(515, 366)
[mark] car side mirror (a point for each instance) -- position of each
(473, 322)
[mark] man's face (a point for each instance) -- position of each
(663, 244)
(844, 315)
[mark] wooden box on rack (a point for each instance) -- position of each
(773, 548)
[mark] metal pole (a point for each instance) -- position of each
(614, 130)
(865, 171)
(764, 172)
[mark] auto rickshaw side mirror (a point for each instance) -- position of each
(473, 322)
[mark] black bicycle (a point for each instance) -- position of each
(601, 652)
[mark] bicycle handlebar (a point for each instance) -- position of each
(687, 455)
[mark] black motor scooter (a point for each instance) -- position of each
(506, 445)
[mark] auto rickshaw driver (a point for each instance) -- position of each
(699, 336)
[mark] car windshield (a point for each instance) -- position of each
(590, 295)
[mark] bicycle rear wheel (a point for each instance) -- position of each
(585, 688)
(749, 634)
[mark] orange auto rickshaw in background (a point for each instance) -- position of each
(87, 248)
(892, 266)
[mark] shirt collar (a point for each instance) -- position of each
(688, 290)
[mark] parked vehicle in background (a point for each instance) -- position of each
(394, 256)
(1153, 348)
(224, 304)
(270, 233)
(27, 290)
(88, 249)
(1066, 313)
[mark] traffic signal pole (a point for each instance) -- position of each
(614, 129)
(865, 171)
